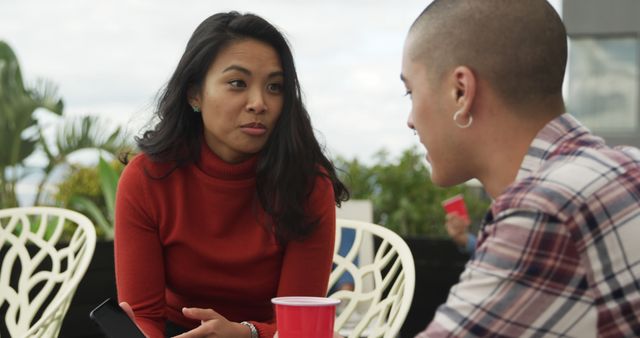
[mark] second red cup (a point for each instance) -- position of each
(309, 317)
(456, 205)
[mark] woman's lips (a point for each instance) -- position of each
(254, 129)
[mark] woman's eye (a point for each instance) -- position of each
(275, 87)
(237, 84)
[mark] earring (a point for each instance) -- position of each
(415, 132)
(462, 126)
(196, 109)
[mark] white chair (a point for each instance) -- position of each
(383, 288)
(40, 269)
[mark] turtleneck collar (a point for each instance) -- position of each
(212, 165)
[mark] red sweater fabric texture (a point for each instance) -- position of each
(197, 238)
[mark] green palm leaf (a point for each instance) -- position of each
(18, 126)
(87, 132)
(109, 183)
(85, 205)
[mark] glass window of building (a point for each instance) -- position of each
(603, 82)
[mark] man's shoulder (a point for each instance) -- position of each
(568, 179)
(585, 169)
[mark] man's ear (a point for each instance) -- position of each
(464, 87)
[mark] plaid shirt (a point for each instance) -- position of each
(559, 251)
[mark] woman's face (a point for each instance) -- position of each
(241, 99)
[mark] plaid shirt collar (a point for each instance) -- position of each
(555, 133)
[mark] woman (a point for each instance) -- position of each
(232, 200)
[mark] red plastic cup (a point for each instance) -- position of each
(455, 205)
(308, 317)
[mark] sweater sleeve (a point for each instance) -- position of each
(138, 252)
(296, 278)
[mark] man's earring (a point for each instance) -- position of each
(459, 125)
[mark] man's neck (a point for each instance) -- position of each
(505, 150)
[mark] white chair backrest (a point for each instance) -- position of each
(383, 288)
(45, 253)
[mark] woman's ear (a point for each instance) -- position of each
(193, 97)
(464, 87)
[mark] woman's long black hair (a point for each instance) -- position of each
(292, 157)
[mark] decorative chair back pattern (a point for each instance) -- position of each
(383, 288)
(40, 270)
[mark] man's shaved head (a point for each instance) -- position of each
(518, 47)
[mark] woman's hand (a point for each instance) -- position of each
(129, 311)
(213, 325)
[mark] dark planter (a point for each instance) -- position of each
(439, 264)
(98, 284)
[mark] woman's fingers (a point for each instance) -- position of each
(212, 325)
(200, 314)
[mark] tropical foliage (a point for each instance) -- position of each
(21, 134)
(18, 125)
(404, 197)
(87, 132)
(92, 191)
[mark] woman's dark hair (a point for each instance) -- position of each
(292, 157)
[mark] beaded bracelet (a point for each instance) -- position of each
(252, 328)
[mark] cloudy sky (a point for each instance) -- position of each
(109, 58)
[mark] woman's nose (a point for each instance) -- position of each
(256, 103)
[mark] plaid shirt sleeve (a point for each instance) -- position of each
(524, 280)
(557, 255)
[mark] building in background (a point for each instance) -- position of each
(603, 87)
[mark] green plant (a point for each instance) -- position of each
(93, 192)
(87, 132)
(403, 196)
(18, 126)
(21, 134)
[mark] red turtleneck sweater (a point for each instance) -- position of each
(196, 238)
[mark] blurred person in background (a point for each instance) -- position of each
(458, 229)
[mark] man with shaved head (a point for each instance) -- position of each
(557, 253)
